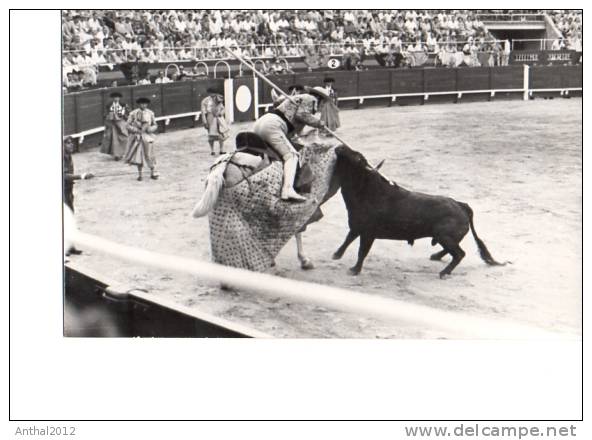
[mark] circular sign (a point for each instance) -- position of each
(243, 99)
(333, 63)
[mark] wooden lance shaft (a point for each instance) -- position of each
(260, 75)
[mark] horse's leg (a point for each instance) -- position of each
(453, 248)
(351, 236)
(365, 245)
(305, 262)
(439, 255)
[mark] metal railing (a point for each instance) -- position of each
(278, 51)
(205, 65)
(227, 67)
(335, 50)
(521, 18)
(542, 43)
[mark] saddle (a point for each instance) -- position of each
(251, 143)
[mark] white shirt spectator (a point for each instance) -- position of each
(93, 24)
(348, 16)
(507, 46)
(216, 26)
(79, 59)
(162, 80)
(411, 15)
(235, 25)
(283, 24)
(97, 57)
(180, 24)
(410, 26)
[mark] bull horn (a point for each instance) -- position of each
(380, 164)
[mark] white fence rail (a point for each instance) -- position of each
(438, 323)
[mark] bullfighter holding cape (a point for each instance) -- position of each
(115, 135)
(328, 107)
(142, 126)
(212, 116)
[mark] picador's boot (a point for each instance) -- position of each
(288, 192)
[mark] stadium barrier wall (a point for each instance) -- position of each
(247, 97)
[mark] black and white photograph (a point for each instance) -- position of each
(297, 214)
(397, 174)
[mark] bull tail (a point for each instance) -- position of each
(483, 251)
(214, 184)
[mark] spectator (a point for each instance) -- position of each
(558, 44)
(506, 49)
(145, 80)
(170, 36)
(162, 79)
(74, 82)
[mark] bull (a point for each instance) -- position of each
(378, 208)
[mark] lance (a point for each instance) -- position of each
(271, 84)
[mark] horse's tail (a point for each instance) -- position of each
(483, 251)
(214, 184)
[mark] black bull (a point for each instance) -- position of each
(380, 209)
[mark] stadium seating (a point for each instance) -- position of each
(393, 38)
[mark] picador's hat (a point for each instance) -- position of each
(116, 95)
(328, 80)
(143, 100)
(318, 91)
(212, 90)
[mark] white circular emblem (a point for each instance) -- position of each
(243, 98)
(333, 63)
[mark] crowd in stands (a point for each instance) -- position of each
(569, 23)
(393, 38)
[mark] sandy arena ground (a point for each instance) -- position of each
(518, 164)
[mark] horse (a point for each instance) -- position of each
(378, 208)
(249, 223)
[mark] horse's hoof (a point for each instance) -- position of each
(353, 271)
(337, 256)
(306, 264)
(443, 275)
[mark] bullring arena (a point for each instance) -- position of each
(518, 163)
(483, 106)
